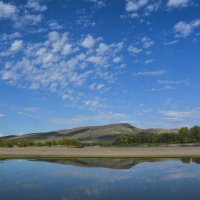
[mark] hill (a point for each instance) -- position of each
(87, 134)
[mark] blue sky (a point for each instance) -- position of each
(69, 63)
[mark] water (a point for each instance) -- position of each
(135, 179)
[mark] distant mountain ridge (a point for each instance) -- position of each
(103, 133)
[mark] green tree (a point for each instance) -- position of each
(69, 142)
(40, 144)
(121, 140)
(54, 142)
(49, 143)
(155, 138)
(195, 133)
(184, 134)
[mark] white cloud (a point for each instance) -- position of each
(98, 60)
(30, 112)
(22, 15)
(138, 9)
(11, 36)
(169, 87)
(35, 6)
(84, 20)
(7, 10)
(148, 61)
(103, 48)
(178, 114)
(55, 25)
(150, 73)
(67, 49)
(59, 64)
(134, 50)
(92, 103)
(99, 118)
(147, 42)
(172, 82)
(88, 42)
(154, 6)
(2, 115)
(181, 117)
(10, 76)
(16, 46)
(26, 114)
(31, 109)
(98, 3)
(53, 36)
(27, 19)
(171, 42)
(133, 6)
(177, 3)
(184, 29)
(117, 59)
(96, 86)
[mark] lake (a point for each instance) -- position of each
(100, 178)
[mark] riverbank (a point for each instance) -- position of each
(142, 152)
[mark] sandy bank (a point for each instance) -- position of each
(101, 152)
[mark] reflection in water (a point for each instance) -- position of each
(100, 178)
(113, 163)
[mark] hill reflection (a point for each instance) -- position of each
(113, 163)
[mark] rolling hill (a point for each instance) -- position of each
(87, 134)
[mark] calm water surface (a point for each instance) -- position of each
(138, 179)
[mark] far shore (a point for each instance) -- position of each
(99, 152)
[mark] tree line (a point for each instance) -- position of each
(185, 135)
(49, 143)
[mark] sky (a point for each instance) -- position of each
(71, 63)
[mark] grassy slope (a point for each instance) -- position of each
(104, 133)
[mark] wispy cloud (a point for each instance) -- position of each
(147, 42)
(2, 115)
(149, 61)
(98, 3)
(12, 36)
(151, 73)
(27, 114)
(140, 8)
(59, 64)
(16, 46)
(35, 6)
(88, 42)
(172, 82)
(171, 42)
(134, 50)
(31, 109)
(184, 29)
(178, 115)
(8, 10)
(177, 3)
(54, 25)
(132, 6)
(99, 118)
(22, 15)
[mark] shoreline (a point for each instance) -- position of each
(99, 152)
